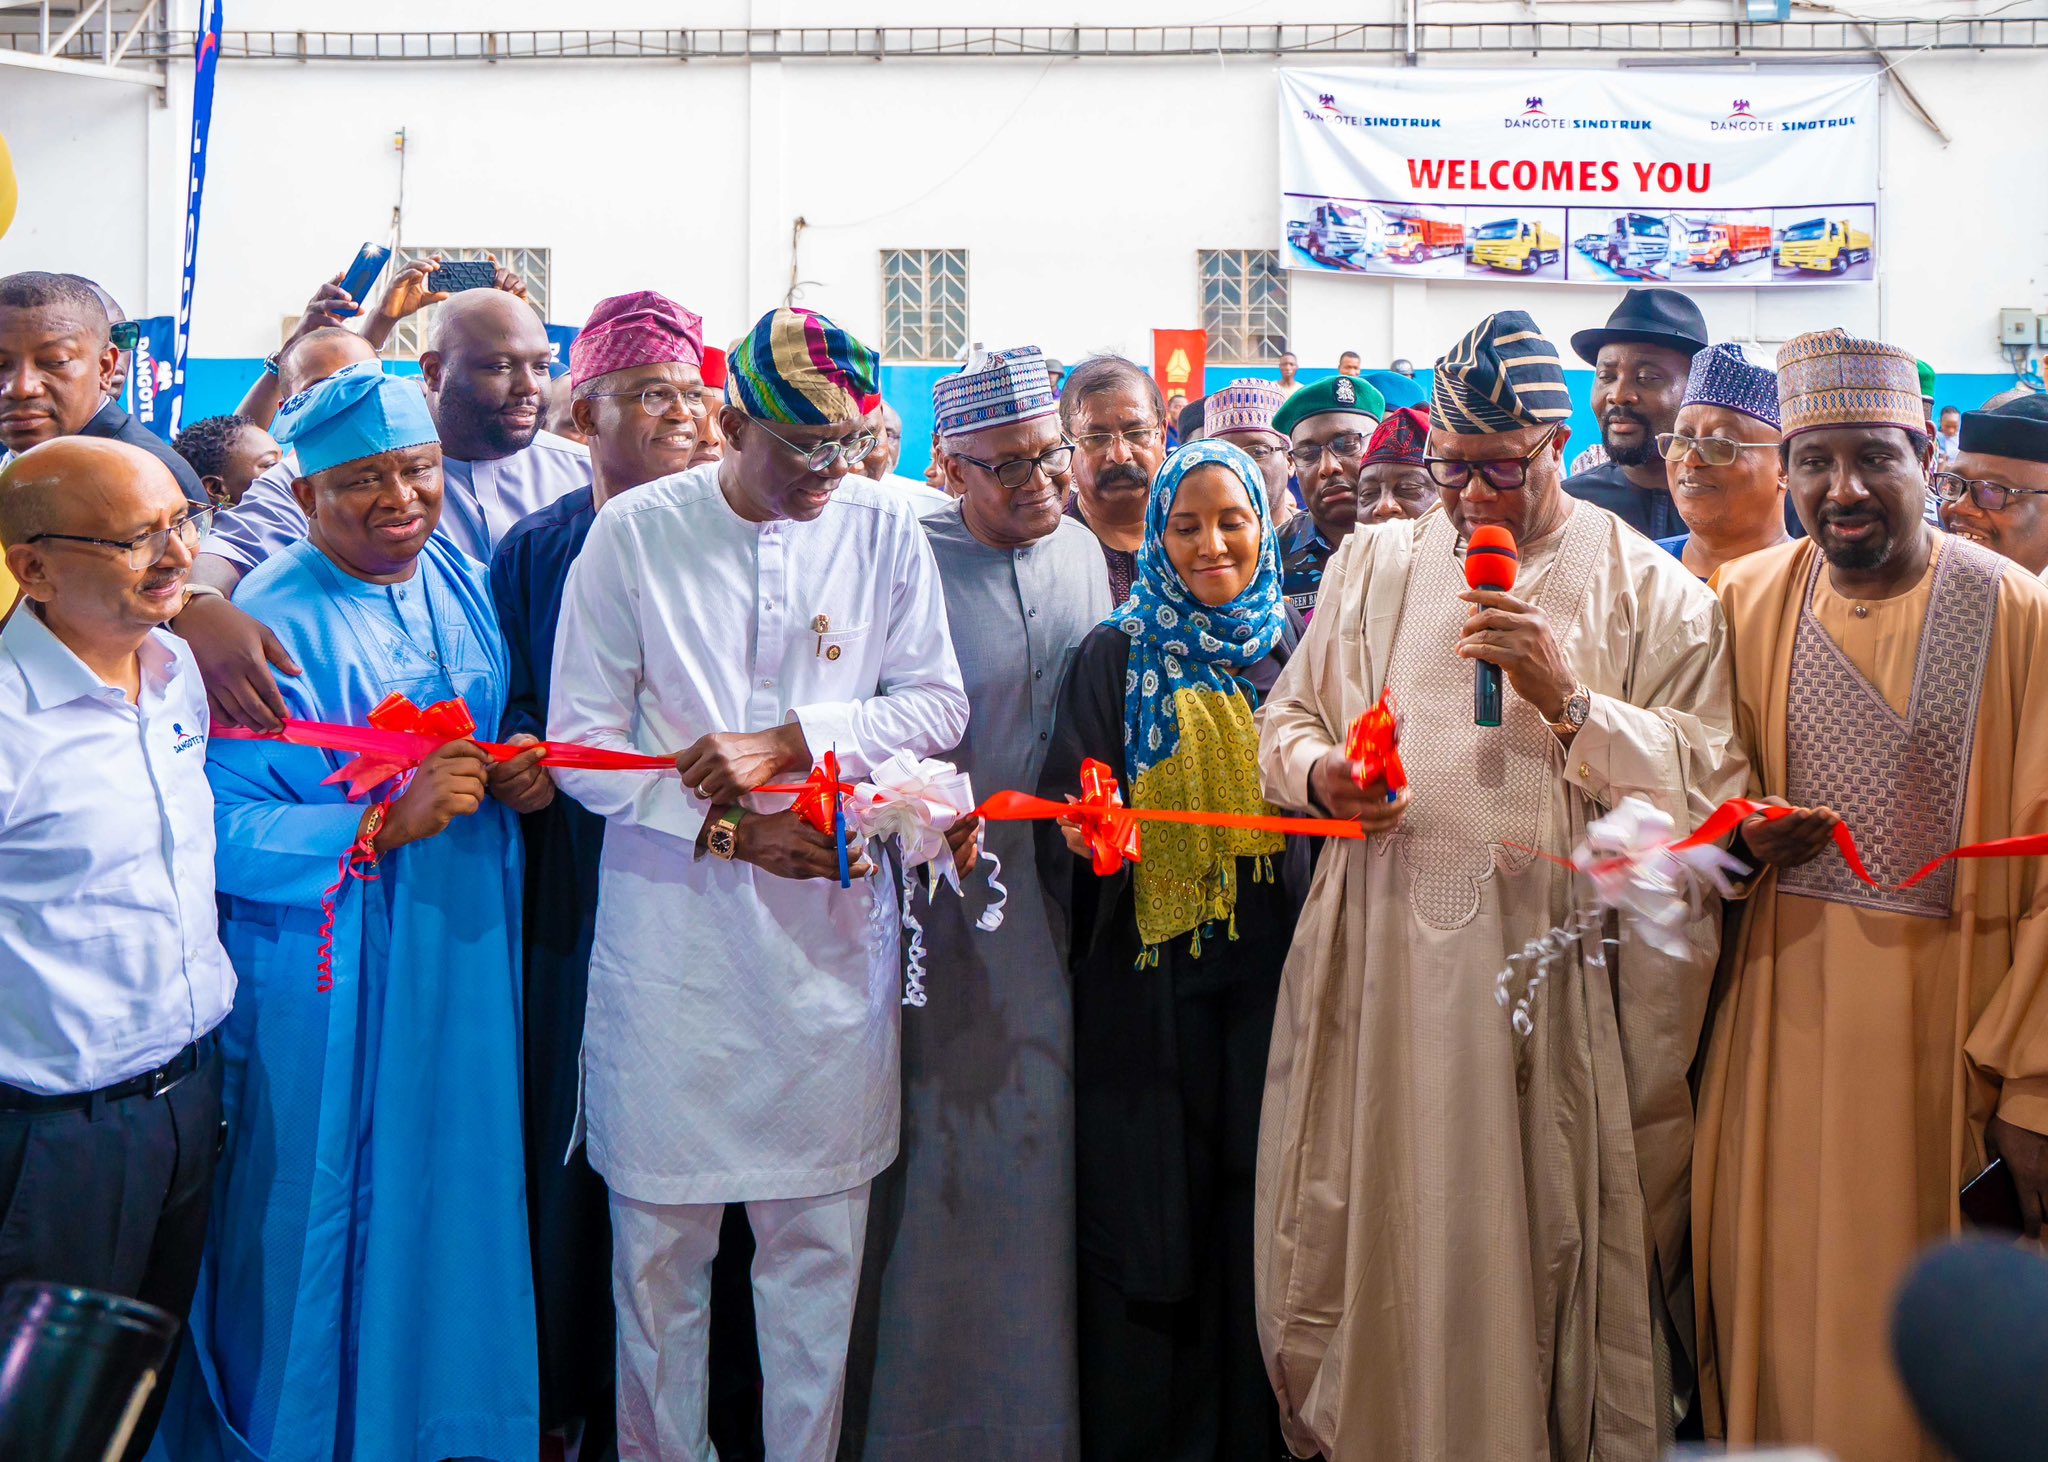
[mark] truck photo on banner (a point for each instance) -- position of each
(1581, 177)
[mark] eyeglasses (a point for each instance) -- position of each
(1714, 451)
(1262, 451)
(1405, 489)
(1137, 439)
(1992, 497)
(125, 333)
(1502, 474)
(826, 455)
(660, 401)
(1346, 446)
(150, 547)
(1014, 473)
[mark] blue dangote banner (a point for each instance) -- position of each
(205, 61)
(151, 374)
(1581, 177)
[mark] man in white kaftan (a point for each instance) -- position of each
(1470, 1242)
(741, 1038)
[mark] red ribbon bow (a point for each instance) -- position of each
(1111, 831)
(400, 736)
(1373, 747)
(817, 796)
(425, 732)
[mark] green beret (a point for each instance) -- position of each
(1338, 393)
(1926, 379)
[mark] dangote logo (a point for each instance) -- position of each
(1741, 110)
(1327, 101)
(185, 741)
(1534, 108)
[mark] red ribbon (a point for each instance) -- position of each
(400, 736)
(1373, 747)
(1111, 829)
(1734, 812)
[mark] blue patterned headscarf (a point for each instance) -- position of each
(1178, 642)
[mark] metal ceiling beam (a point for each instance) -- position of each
(89, 70)
(1392, 39)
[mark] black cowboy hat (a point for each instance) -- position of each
(1648, 317)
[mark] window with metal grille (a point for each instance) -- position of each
(410, 338)
(1244, 305)
(924, 304)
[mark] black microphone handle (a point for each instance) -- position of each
(1486, 703)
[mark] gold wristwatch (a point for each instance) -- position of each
(1577, 707)
(723, 841)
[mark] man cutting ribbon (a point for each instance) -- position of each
(373, 1131)
(741, 1035)
(1382, 1334)
(1877, 1042)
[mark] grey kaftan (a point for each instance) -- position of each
(963, 1343)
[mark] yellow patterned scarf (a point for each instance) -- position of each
(1187, 878)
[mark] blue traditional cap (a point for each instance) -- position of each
(1002, 388)
(1503, 376)
(357, 412)
(1397, 390)
(798, 368)
(1723, 376)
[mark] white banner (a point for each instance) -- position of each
(1581, 177)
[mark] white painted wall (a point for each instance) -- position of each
(1081, 190)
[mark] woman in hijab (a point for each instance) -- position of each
(1176, 968)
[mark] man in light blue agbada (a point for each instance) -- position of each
(368, 1291)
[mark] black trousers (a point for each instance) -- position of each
(1183, 1380)
(114, 1196)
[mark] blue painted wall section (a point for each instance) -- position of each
(214, 386)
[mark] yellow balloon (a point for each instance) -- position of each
(9, 190)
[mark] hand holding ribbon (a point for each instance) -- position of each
(1374, 748)
(400, 736)
(820, 803)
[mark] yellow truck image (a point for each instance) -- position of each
(1520, 245)
(1828, 245)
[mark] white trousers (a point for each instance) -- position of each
(807, 1254)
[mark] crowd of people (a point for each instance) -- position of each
(488, 1104)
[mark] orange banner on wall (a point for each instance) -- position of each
(1178, 360)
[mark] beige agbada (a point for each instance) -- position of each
(1857, 1054)
(1470, 1246)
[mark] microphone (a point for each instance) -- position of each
(1970, 1336)
(1490, 563)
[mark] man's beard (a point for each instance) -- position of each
(487, 426)
(1641, 455)
(1855, 557)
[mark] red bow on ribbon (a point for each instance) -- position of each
(1373, 747)
(400, 736)
(817, 796)
(426, 732)
(1111, 831)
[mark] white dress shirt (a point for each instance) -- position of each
(110, 963)
(741, 1039)
(479, 504)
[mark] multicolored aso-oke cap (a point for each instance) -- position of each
(1502, 377)
(1003, 388)
(1402, 438)
(1246, 405)
(1831, 378)
(798, 368)
(1723, 376)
